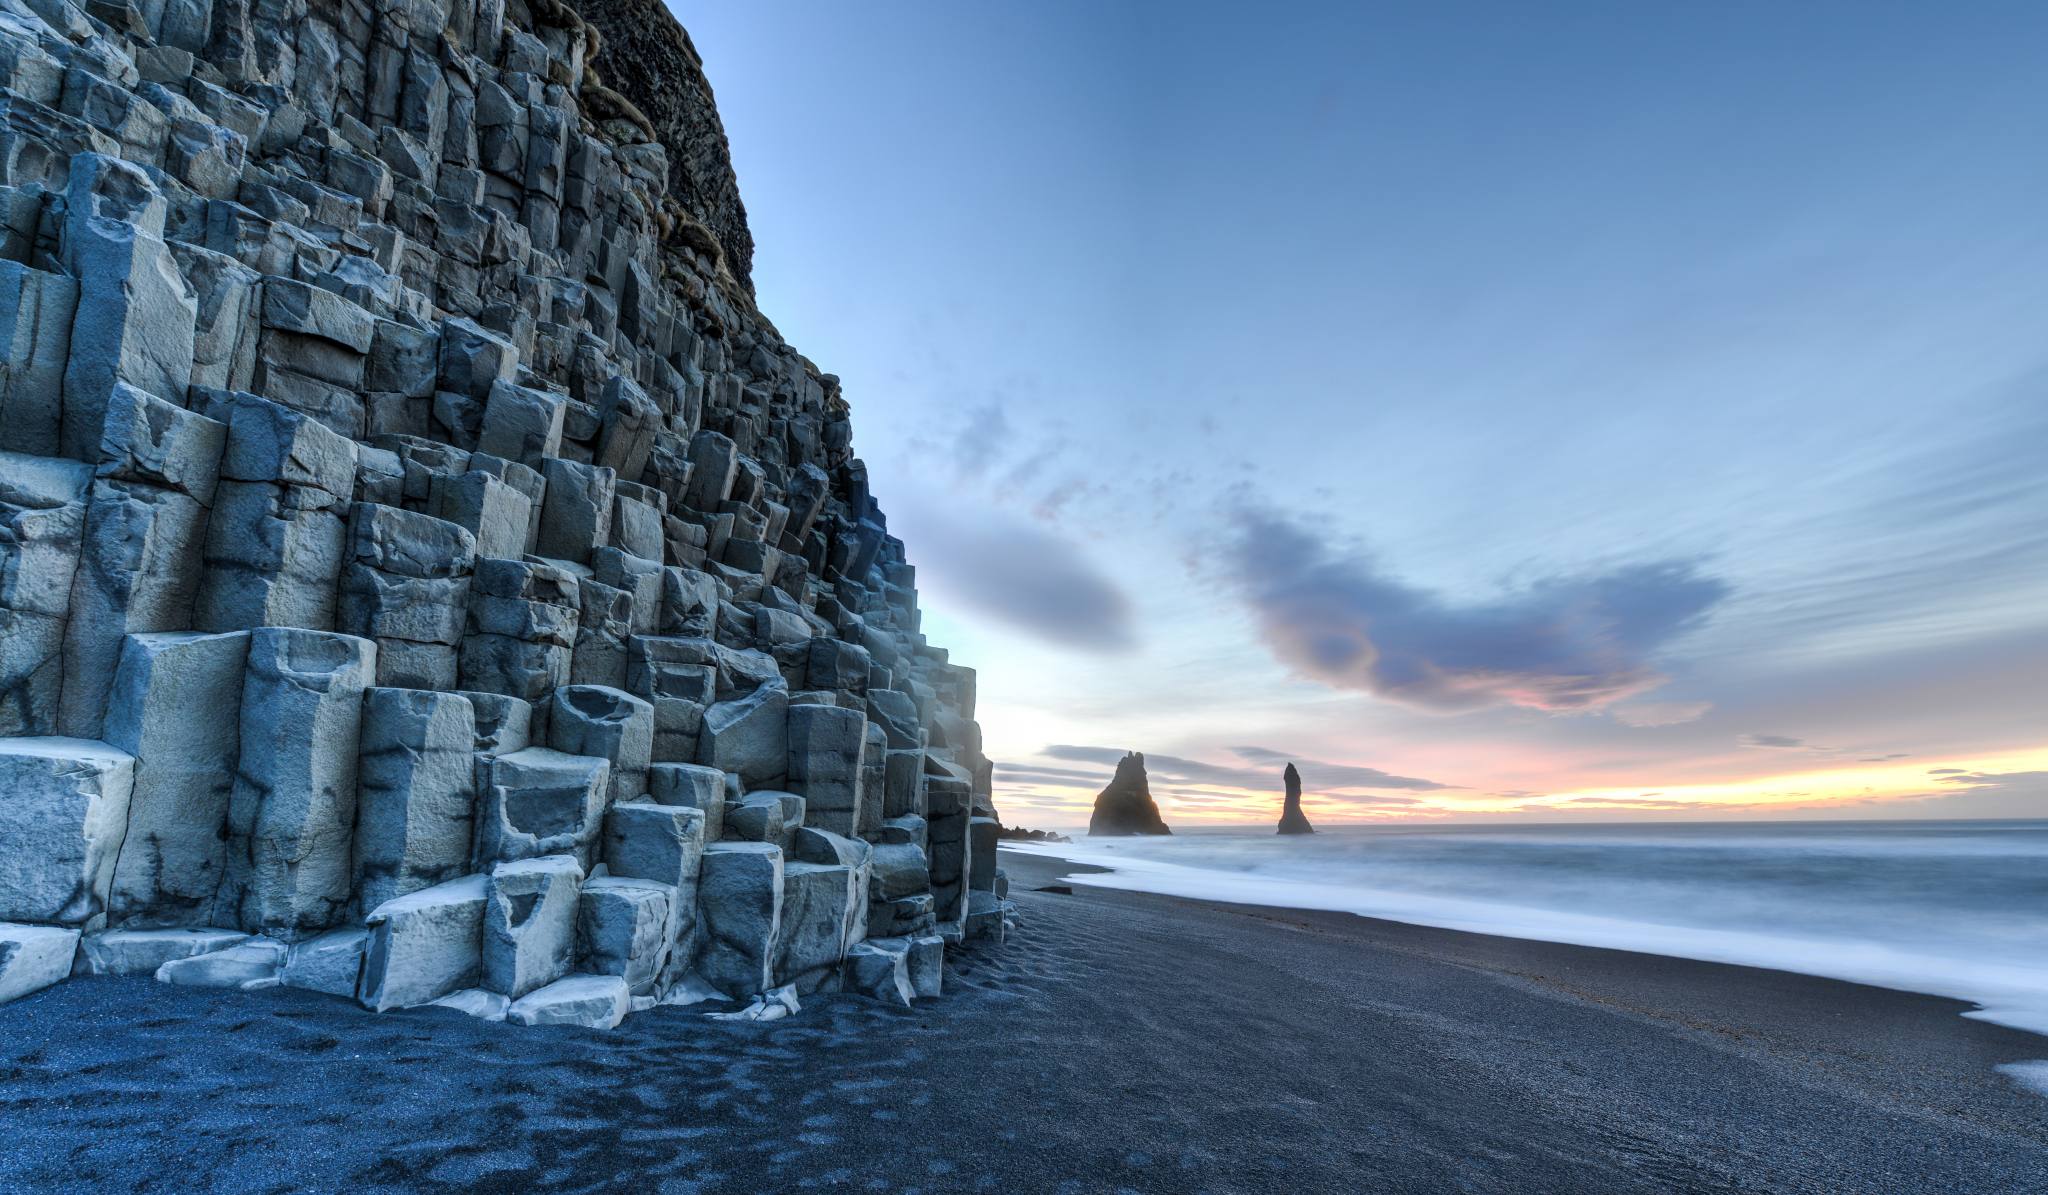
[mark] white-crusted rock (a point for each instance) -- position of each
(142, 951)
(425, 944)
(592, 1001)
(476, 1002)
(249, 964)
(32, 957)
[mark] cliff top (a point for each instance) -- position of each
(646, 56)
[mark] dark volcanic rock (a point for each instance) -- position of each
(649, 61)
(1020, 834)
(1126, 807)
(1292, 819)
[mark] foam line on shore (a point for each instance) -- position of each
(2013, 996)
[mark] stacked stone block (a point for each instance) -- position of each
(424, 575)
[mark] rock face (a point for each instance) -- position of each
(1126, 806)
(1292, 819)
(425, 576)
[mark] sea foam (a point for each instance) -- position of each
(1956, 909)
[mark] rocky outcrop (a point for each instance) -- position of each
(424, 575)
(1020, 834)
(643, 53)
(1292, 819)
(1126, 807)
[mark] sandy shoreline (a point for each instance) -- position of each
(1149, 1043)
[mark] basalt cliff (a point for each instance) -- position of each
(424, 574)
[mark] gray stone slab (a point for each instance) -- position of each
(63, 814)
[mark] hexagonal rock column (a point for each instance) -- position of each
(135, 316)
(175, 852)
(663, 844)
(624, 929)
(42, 520)
(405, 584)
(820, 902)
(873, 970)
(416, 792)
(679, 686)
(139, 567)
(739, 899)
(539, 802)
(530, 924)
(749, 736)
(522, 630)
(609, 723)
(275, 538)
(291, 819)
(692, 786)
(825, 748)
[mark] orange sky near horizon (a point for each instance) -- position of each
(1902, 789)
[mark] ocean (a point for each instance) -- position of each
(1956, 909)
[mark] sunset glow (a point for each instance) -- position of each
(1896, 789)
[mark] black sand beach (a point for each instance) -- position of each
(1150, 1044)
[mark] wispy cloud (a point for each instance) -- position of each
(1779, 741)
(1564, 644)
(1020, 572)
(1659, 713)
(1988, 794)
(1013, 773)
(1648, 801)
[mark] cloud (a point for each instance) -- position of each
(981, 439)
(1563, 644)
(1012, 773)
(1771, 740)
(1659, 713)
(1947, 771)
(1990, 794)
(1019, 572)
(1175, 770)
(1648, 801)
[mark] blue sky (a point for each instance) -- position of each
(1628, 408)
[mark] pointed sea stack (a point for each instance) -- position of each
(1125, 807)
(1292, 819)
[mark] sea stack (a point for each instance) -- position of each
(1292, 819)
(1126, 807)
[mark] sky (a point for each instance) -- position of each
(1505, 412)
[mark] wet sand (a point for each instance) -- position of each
(1119, 1041)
